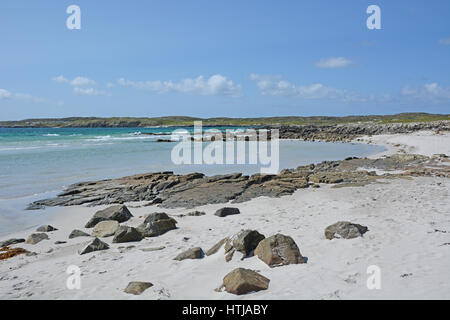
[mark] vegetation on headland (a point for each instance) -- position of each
(93, 122)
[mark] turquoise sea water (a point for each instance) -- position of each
(39, 163)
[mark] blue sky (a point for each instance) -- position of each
(223, 58)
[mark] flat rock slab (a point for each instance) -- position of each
(127, 234)
(345, 230)
(118, 213)
(242, 281)
(78, 233)
(36, 238)
(279, 250)
(105, 229)
(137, 287)
(227, 212)
(194, 253)
(46, 228)
(95, 245)
(217, 247)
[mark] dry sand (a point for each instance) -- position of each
(409, 223)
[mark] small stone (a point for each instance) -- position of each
(153, 249)
(46, 228)
(196, 213)
(194, 253)
(105, 229)
(242, 281)
(137, 288)
(226, 212)
(95, 245)
(36, 238)
(60, 242)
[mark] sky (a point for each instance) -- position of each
(231, 58)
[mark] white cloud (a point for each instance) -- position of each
(430, 92)
(76, 82)
(4, 94)
(333, 63)
(215, 85)
(445, 41)
(60, 79)
(82, 81)
(89, 92)
(276, 86)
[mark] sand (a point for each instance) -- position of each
(408, 239)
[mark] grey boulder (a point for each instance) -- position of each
(246, 241)
(227, 212)
(119, 213)
(345, 230)
(137, 287)
(156, 224)
(9, 242)
(127, 234)
(78, 233)
(94, 245)
(105, 229)
(36, 238)
(279, 250)
(194, 253)
(46, 228)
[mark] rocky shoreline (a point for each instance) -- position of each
(352, 131)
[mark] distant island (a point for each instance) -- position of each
(123, 122)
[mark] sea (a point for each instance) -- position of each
(38, 163)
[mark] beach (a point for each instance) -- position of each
(408, 220)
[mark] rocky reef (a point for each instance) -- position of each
(169, 190)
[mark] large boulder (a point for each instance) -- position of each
(9, 242)
(36, 238)
(345, 230)
(127, 234)
(78, 233)
(46, 228)
(94, 245)
(279, 250)
(246, 241)
(137, 287)
(242, 281)
(226, 212)
(119, 213)
(156, 224)
(105, 229)
(194, 253)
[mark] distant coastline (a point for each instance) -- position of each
(180, 121)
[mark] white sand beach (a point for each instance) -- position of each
(408, 239)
